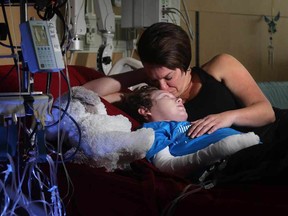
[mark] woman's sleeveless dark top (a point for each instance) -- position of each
(214, 97)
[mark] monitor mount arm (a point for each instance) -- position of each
(106, 25)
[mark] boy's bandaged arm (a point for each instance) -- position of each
(183, 165)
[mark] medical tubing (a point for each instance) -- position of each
(79, 131)
(55, 196)
(68, 102)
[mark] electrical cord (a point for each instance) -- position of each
(206, 181)
(9, 46)
(50, 9)
(170, 209)
(68, 101)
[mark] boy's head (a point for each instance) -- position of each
(149, 104)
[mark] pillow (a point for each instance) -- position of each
(185, 165)
(106, 140)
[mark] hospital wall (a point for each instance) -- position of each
(225, 26)
(238, 27)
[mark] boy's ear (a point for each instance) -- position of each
(144, 112)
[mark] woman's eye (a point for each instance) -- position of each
(168, 78)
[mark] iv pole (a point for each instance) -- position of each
(25, 75)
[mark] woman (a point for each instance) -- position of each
(221, 93)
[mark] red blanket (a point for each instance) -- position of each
(144, 190)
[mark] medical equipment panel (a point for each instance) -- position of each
(40, 46)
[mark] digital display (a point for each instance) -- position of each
(40, 35)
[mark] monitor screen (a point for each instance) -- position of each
(40, 35)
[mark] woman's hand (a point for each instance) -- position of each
(210, 123)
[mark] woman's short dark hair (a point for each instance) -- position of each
(165, 44)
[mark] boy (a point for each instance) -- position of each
(173, 151)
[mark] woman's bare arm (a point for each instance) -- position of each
(110, 87)
(257, 111)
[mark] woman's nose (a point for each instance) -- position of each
(163, 85)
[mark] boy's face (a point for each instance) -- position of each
(166, 107)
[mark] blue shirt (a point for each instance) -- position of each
(173, 134)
